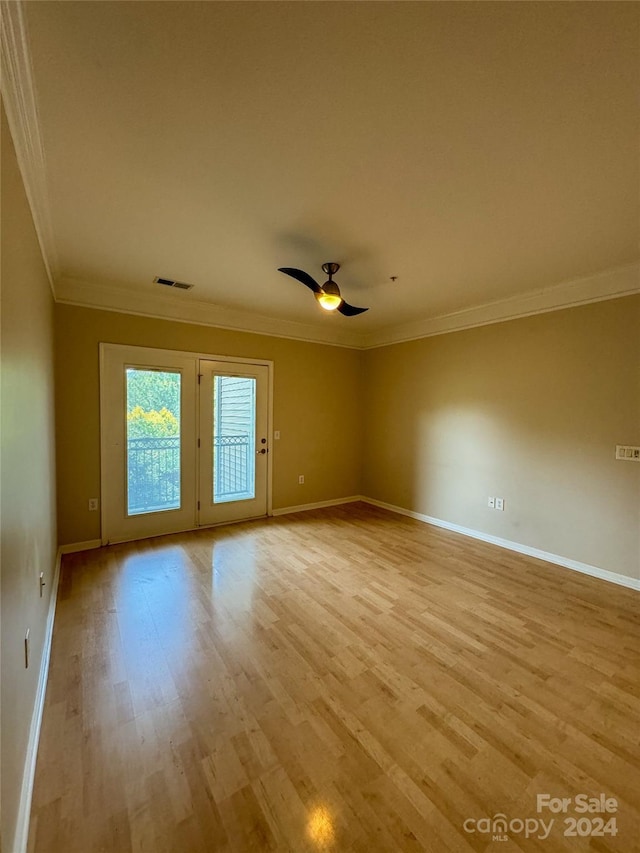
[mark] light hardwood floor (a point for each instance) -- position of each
(338, 680)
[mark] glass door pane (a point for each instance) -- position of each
(153, 440)
(234, 438)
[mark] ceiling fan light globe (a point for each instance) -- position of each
(329, 301)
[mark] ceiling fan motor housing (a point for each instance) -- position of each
(331, 287)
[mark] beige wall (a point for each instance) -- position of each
(529, 410)
(316, 407)
(27, 480)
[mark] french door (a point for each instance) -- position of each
(184, 441)
(233, 441)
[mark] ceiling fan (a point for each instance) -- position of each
(329, 294)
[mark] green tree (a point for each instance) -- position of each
(153, 390)
(143, 423)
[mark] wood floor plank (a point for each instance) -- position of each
(338, 680)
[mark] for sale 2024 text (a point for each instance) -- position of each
(582, 804)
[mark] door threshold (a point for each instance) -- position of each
(106, 542)
(233, 521)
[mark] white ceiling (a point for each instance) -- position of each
(477, 151)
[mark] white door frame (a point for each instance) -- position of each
(153, 354)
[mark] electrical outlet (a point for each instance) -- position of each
(93, 504)
(491, 502)
(628, 453)
(27, 648)
(500, 503)
(301, 480)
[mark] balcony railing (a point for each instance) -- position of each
(153, 472)
(233, 468)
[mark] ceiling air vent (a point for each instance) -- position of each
(169, 282)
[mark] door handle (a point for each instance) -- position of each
(264, 450)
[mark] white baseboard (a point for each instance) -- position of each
(24, 808)
(287, 510)
(74, 547)
(565, 562)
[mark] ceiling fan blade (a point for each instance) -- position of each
(301, 276)
(350, 310)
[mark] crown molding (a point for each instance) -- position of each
(18, 94)
(611, 284)
(180, 307)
